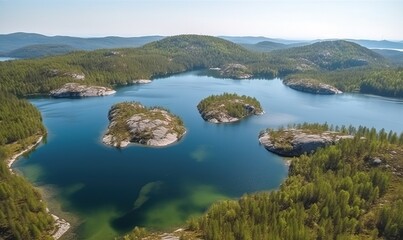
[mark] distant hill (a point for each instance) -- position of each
(393, 56)
(255, 40)
(40, 50)
(265, 46)
(13, 41)
(331, 55)
(378, 44)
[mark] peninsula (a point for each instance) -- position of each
(295, 141)
(133, 122)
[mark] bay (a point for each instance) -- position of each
(111, 190)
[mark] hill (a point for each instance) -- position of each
(40, 50)
(331, 55)
(393, 56)
(384, 44)
(121, 66)
(265, 46)
(171, 55)
(13, 41)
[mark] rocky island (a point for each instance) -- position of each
(74, 90)
(311, 86)
(133, 122)
(228, 108)
(294, 142)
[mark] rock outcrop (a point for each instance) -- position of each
(228, 108)
(295, 142)
(311, 86)
(141, 81)
(74, 90)
(132, 122)
(235, 70)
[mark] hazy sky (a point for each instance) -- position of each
(293, 19)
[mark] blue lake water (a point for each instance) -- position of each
(111, 190)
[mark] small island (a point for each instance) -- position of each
(228, 107)
(133, 122)
(75, 90)
(311, 86)
(298, 140)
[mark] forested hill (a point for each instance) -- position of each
(171, 55)
(332, 55)
(10, 42)
(121, 66)
(202, 51)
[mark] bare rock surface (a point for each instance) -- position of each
(132, 122)
(295, 142)
(72, 90)
(311, 86)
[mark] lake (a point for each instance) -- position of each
(110, 190)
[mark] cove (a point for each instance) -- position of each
(111, 191)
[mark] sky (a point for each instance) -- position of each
(288, 19)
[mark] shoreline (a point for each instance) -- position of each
(61, 225)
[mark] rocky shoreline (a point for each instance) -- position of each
(132, 122)
(295, 142)
(311, 86)
(74, 90)
(228, 108)
(61, 225)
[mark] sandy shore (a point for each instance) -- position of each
(61, 225)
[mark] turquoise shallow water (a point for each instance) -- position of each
(112, 190)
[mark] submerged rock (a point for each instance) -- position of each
(71, 90)
(311, 86)
(295, 142)
(132, 122)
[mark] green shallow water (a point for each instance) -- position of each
(111, 190)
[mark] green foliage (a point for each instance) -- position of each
(386, 82)
(325, 197)
(22, 213)
(18, 118)
(136, 234)
(229, 103)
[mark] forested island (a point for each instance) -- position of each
(133, 122)
(228, 107)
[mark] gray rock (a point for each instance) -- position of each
(306, 85)
(297, 142)
(376, 161)
(155, 127)
(141, 81)
(73, 90)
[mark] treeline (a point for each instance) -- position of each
(386, 82)
(18, 118)
(23, 215)
(335, 193)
